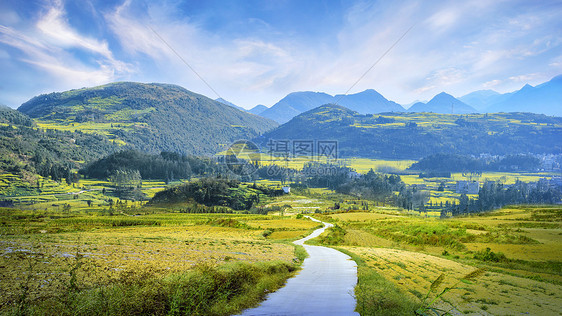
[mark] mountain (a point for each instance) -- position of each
(10, 116)
(223, 101)
(482, 99)
(409, 105)
(545, 98)
(416, 107)
(150, 117)
(416, 135)
(443, 103)
(366, 102)
(294, 104)
(27, 151)
(258, 109)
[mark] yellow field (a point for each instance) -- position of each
(504, 177)
(492, 293)
(105, 248)
(363, 165)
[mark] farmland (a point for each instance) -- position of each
(519, 247)
(83, 252)
(91, 239)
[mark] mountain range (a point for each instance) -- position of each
(223, 101)
(366, 102)
(545, 98)
(407, 135)
(258, 109)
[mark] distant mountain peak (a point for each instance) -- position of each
(258, 109)
(443, 103)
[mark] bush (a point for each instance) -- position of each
(490, 256)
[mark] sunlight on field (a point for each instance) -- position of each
(363, 165)
(494, 293)
(110, 247)
(505, 177)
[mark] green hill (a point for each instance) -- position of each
(27, 151)
(416, 135)
(150, 117)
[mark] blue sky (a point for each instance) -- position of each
(256, 52)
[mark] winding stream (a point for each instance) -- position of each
(324, 286)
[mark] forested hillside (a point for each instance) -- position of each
(416, 135)
(150, 117)
(26, 150)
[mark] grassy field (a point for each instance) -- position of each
(520, 247)
(81, 238)
(45, 254)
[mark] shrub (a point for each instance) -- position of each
(489, 255)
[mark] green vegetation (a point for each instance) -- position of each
(463, 163)
(417, 135)
(428, 308)
(375, 294)
(165, 166)
(204, 290)
(215, 192)
(27, 151)
(148, 117)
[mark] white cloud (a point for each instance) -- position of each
(456, 46)
(45, 45)
(525, 78)
(492, 83)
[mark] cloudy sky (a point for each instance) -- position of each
(256, 52)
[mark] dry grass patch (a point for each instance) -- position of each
(493, 293)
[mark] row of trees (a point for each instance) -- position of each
(165, 166)
(494, 195)
(439, 163)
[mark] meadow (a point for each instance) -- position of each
(520, 248)
(70, 247)
(47, 254)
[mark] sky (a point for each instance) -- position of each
(256, 52)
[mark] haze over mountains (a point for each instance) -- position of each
(366, 102)
(443, 103)
(545, 98)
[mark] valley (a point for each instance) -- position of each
(130, 190)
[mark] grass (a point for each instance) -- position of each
(204, 290)
(163, 244)
(410, 252)
(375, 294)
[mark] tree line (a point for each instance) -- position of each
(444, 162)
(165, 166)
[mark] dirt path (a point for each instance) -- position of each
(324, 286)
